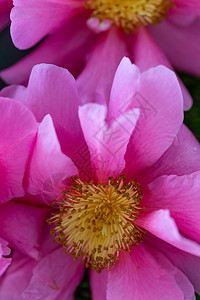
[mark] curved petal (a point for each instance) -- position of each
(161, 224)
(98, 283)
(15, 220)
(39, 18)
(18, 129)
(173, 39)
(180, 159)
(157, 94)
(147, 54)
(72, 42)
(4, 251)
(107, 145)
(147, 274)
(187, 263)
(47, 161)
(95, 82)
(179, 194)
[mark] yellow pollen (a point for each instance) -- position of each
(129, 14)
(96, 222)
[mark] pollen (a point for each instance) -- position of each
(96, 222)
(129, 15)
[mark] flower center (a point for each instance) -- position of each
(129, 14)
(96, 222)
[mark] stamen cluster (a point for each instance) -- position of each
(96, 222)
(129, 14)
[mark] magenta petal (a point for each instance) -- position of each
(67, 42)
(17, 277)
(98, 284)
(18, 129)
(159, 98)
(147, 54)
(107, 144)
(187, 263)
(95, 82)
(55, 277)
(15, 220)
(4, 251)
(39, 18)
(146, 274)
(173, 39)
(47, 159)
(179, 194)
(52, 90)
(161, 224)
(180, 159)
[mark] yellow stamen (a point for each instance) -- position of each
(96, 222)
(129, 14)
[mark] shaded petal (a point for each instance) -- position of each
(187, 263)
(18, 129)
(183, 56)
(67, 42)
(147, 54)
(17, 277)
(147, 274)
(39, 18)
(95, 82)
(180, 159)
(107, 145)
(179, 194)
(47, 160)
(56, 276)
(15, 220)
(4, 251)
(52, 90)
(163, 226)
(157, 94)
(98, 283)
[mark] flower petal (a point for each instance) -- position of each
(179, 194)
(107, 144)
(161, 224)
(15, 220)
(18, 129)
(147, 274)
(95, 81)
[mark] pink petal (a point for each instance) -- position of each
(17, 277)
(95, 82)
(147, 54)
(18, 129)
(5, 7)
(47, 161)
(187, 263)
(39, 18)
(161, 224)
(15, 220)
(146, 274)
(67, 42)
(177, 36)
(180, 159)
(158, 96)
(107, 145)
(179, 194)
(4, 251)
(98, 284)
(56, 276)
(52, 90)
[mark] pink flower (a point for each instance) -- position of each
(69, 30)
(5, 7)
(139, 134)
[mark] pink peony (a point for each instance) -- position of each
(138, 134)
(69, 34)
(5, 7)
